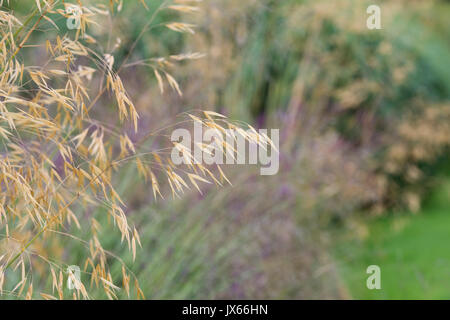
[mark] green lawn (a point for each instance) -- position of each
(413, 252)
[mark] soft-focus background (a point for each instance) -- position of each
(364, 119)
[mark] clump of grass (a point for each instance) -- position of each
(58, 161)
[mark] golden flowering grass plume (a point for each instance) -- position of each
(57, 161)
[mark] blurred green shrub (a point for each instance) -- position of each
(312, 67)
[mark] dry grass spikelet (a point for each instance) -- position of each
(57, 161)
